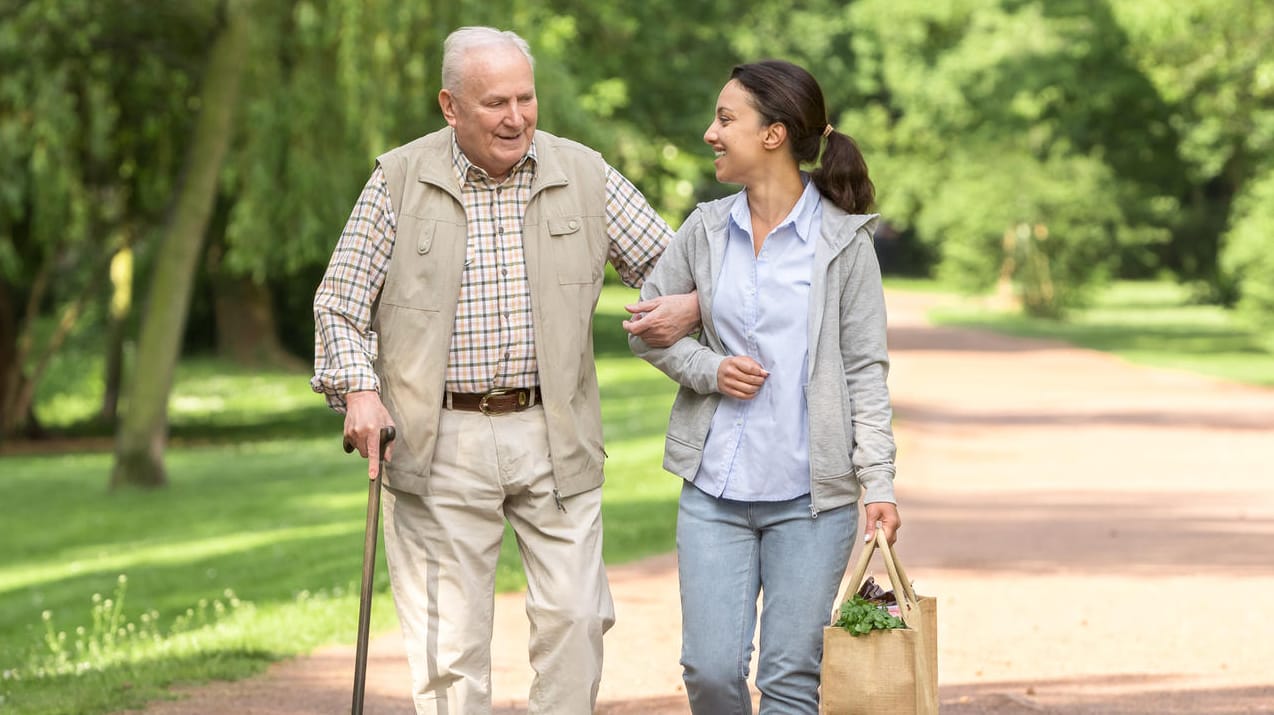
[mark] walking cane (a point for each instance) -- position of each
(369, 568)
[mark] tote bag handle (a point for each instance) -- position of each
(903, 591)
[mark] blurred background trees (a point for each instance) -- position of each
(1035, 147)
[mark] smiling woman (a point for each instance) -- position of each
(783, 421)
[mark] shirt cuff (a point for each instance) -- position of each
(335, 389)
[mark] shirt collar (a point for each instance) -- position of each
(801, 217)
(467, 171)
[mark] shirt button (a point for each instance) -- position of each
(504, 271)
(500, 230)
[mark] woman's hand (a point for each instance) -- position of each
(886, 514)
(740, 377)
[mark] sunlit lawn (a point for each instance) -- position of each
(1150, 323)
(262, 503)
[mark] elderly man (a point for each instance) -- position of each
(458, 307)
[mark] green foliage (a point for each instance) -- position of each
(981, 120)
(93, 105)
(332, 84)
(860, 617)
(112, 641)
(1051, 225)
(1248, 253)
(1209, 62)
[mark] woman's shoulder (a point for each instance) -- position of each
(717, 210)
(708, 216)
(840, 224)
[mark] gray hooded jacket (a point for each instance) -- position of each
(851, 440)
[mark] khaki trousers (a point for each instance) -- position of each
(442, 548)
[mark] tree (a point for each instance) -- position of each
(332, 84)
(1211, 64)
(143, 431)
(91, 95)
(1247, 255)
(982, 119)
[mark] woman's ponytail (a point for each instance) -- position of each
(842, 174)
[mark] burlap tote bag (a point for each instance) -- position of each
(883, 672)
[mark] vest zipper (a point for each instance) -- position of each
(557, 497)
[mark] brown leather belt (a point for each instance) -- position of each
(499, 401)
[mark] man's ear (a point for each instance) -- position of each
(447, 102)
(775, 135)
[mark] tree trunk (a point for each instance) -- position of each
(10, 370)
(143, 431)
(18, 337)
(246, 331)
(244, 314)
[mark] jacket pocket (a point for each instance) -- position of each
(681, 457)
(831, 492)
(571, 251)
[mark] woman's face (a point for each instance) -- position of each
(736, 135)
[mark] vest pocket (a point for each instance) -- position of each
(571, 251)
(417, 270)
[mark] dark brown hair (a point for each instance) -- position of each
(785, 93)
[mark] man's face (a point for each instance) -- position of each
(494, 109)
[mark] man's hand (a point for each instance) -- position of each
(740, 377)
(664, 320)
(886, 514)
(365, 416)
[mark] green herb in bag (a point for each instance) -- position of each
(860, 616)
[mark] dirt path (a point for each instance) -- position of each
(1100, 537)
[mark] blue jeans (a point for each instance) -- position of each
(727, 553)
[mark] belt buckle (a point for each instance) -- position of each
(499, 391)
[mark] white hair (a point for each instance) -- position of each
(460, 42)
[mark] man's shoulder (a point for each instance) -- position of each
(433, 141)
(563, 145)
(564, 160)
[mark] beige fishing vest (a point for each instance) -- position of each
(566, 246)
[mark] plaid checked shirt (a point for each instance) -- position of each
(493, 342)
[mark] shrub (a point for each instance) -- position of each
(1050, 227)
(1247, 252)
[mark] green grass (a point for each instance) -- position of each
(212, 401)
(262, 502)
(1150, 323)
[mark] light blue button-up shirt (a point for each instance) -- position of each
(758, 449)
